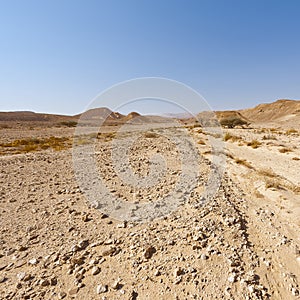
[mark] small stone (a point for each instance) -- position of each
(22, 248)
(2, 279)
(53, 281)
(21, 276)
(109, 251)
(93, 262)
(62, 295)
(44, 282)
(204, 256)
(116, 285)
(86, 218)
(83, 244)
(232, 278)
(295, 292)
(122, 225)
(95, 270)
(20, 263)
(178, 272)
(73, 291)
(33, 261)
(149, 252)
(101, 289)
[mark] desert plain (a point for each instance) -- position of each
(243, 243)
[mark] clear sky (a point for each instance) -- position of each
(57, 55)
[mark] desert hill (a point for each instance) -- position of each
(280, 111)
(29, 116)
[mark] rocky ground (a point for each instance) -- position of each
(243, 244)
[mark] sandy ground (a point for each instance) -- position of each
(242, 244)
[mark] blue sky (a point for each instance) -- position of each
(56, 56)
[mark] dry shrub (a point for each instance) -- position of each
(291, 131)
(228, 136)
(275, 184)
(285, 150)
(232, 122)
(269, 137)
(258, 194)
(151, 135)
(254, 144)
(35, 144)
(68, 123)
(267, 173)
(243, 162)
(295, 158)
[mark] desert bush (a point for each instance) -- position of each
(234, 138)
(254, 144)
(291, 131)
(243, 162)
(150, 135)
(232, 122)
(275, 184)
(267, 172)
(68, 123)
(35, 144)
(285, 150)
(269, 137)
(295, 158)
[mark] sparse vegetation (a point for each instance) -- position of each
(291, 131)
(267, 172)
(106, 136)
(228, 136)
(232, 122)
(36, 144)
(68, 123)
(275, 184)
(269, 137)
(295, 158)
(243, 162)
(151, 135)
(285, 150)
(254, 144)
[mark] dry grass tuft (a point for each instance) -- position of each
(291, 131)
(230, 137)
(243, 162)
(254, 144)
(151, 135)
(269, 137)
(285, 150)
(267, 172)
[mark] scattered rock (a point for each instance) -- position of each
(204, 256)
(33, 261)
(61, 295)
(116, 285)
(149, 252)
(95, 270)
(101, 289)
(73, 291)
(44, 282)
